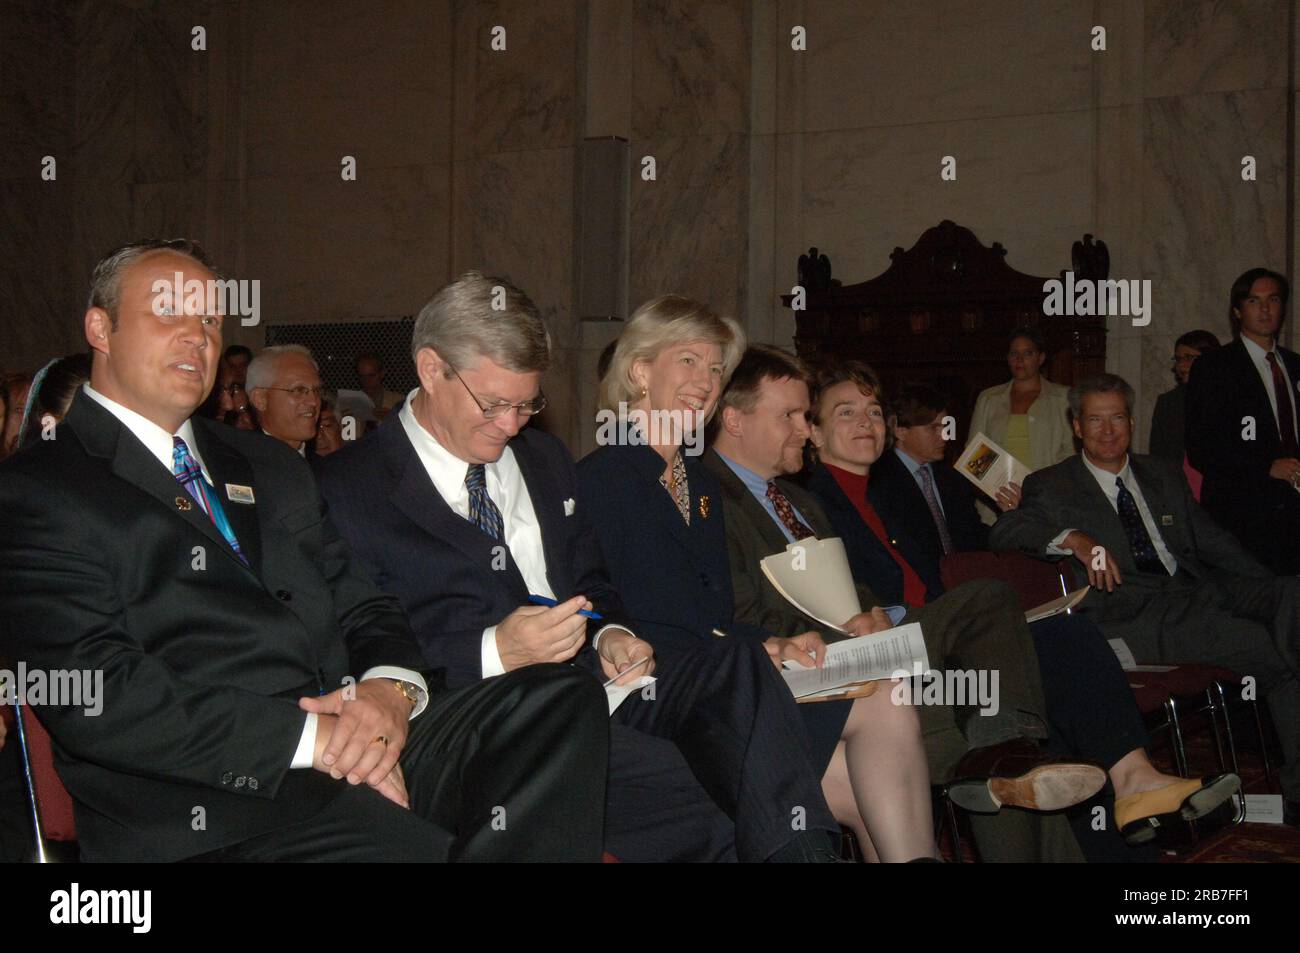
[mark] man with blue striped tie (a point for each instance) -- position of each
(263, 700)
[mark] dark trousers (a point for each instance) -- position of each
(510, 769)
(1090, 708)
(738, 731)
(1248, 624)
(979, 626)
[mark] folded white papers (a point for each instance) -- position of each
(813, 575)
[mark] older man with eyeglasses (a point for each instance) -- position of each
(474, 521)
(284, 385)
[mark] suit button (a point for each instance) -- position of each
(252, 784)
(240, 781)
(227, 777)
(284, 595)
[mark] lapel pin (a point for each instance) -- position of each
(569, 507)
(183, 504)
(704, 507)
(1166, 520)
(239, 494)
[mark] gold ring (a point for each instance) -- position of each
(382, 739)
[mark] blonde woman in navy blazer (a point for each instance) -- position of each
(658, 512)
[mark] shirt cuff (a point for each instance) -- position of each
(489, 657)
(1054, 548)
(595, 639)
(306, 753)
(399, 674)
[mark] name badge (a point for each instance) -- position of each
(239, 494)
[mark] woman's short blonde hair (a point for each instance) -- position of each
(660, 322)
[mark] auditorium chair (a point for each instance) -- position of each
(48, 803)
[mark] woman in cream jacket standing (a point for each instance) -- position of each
(1029, 415)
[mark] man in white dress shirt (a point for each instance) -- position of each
(262, 699)
(1166, 578)
(284, 385)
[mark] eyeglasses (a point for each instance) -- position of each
(302, 391)
(526, 408)
(1182, 359)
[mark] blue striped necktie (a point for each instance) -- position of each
(189, 475)
(483, 513)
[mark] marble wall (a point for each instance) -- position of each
(1140, 144)
(466, 155)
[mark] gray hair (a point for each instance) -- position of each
(106, 279)
(1100, 384)
(261, 370)
(660, 322)
(480, 316)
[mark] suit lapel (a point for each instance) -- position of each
(106, 437)
(1109, 531)
(1158, 502)
(647, 466)
(414, 494)
(226, 467)
(736, 491)
(1265, 419)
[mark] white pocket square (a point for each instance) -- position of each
(569, 507)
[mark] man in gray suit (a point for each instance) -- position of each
(1166, 578)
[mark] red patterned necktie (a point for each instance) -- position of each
(1285, 418)
(784, 510)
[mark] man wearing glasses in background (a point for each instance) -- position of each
(471, 518)
(284, 386)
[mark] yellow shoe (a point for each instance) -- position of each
(1140, 816)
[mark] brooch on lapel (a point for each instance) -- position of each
(704, 507)
(1166, 520)
(183, 504)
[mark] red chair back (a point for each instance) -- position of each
(53, 799)
(1033, 580)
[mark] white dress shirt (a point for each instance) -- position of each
(1259, 357)
(506, 486)
(159, 443)
(1107, 481)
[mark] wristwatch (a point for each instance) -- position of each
(408, 691)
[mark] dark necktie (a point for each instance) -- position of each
(483, 513)
(1285, 417)
(784, 510)
(941, 524)
(189, 475)
(1144, 551)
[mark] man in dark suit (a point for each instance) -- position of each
(758, 442)
(262, 700)
(1241, 426)
(920, 498)
(466, 516)
(1167, 579)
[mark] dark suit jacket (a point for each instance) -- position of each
(868, 557)
(1168, 425)
(901, 504)
(452, 579)
(1066, 496)
(203, 658)
(753, 535)
(674, 578)
(1262, 512)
